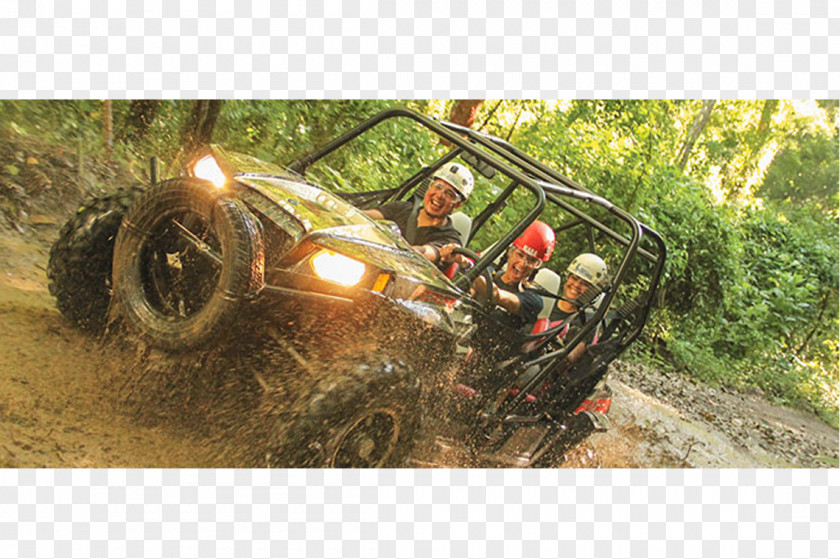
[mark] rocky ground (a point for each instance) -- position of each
(61, 402)
(670, 420)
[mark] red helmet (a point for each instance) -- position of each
(537, 241)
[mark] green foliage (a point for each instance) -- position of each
(805, 171)
(60, 122)
(702, 245)
(789, 269)
(774, 324)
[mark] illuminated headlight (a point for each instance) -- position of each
(206, 168)
(338, 268)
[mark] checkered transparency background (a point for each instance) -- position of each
(360, 49)
(419, 513)
(356, 48)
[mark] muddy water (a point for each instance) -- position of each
(670, 420)
(647, 432)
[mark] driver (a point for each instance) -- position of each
(512, 290)
(427, 227)
(586, 271)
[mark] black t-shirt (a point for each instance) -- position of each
(400, 212)
(530, 305)
(576, 321)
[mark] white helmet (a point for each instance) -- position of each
(458, 177)
(591, 268)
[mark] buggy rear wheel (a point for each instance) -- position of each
(81, 259)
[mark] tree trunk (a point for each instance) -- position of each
(755, 142)
(767, 111)
(463, 113)
(199, 128)
(758, 139)
(109, 128)
(138, 120)
(640, 180)
(697, 127)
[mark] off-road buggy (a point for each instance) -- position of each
(356, 350)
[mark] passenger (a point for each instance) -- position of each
(585, 272)
(427, 227)
(511, 290)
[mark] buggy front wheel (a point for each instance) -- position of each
(362, 414)
(186, 260)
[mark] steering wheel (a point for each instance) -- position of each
(486, 300)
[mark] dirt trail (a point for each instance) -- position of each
(58, 407)
(60, 404)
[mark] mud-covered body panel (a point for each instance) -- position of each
(369, 323)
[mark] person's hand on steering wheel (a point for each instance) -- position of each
(448, 254)
(487, 298)
(479, 287)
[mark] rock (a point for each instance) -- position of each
(755, 391)
(38, 181)
(60, 161)
(12, 189)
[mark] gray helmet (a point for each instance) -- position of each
(458, 177)
(590, 268)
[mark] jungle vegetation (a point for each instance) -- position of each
(745, 194)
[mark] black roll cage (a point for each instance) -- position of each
(547, 185)
(300, 165)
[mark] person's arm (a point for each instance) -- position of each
(505, 299)
(439, 245)
(373, 214)
(392, 211)
(575, 355)
(578, 351)
(508, 301)
(429, 252)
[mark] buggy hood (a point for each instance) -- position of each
(328, 220)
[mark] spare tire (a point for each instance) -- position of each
(187, 259)
(80, 265)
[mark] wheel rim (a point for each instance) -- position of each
(178, 280)
(369, 441)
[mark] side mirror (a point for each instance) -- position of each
(486, 170)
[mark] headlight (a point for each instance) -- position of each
(338, 268)
(206, 168)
